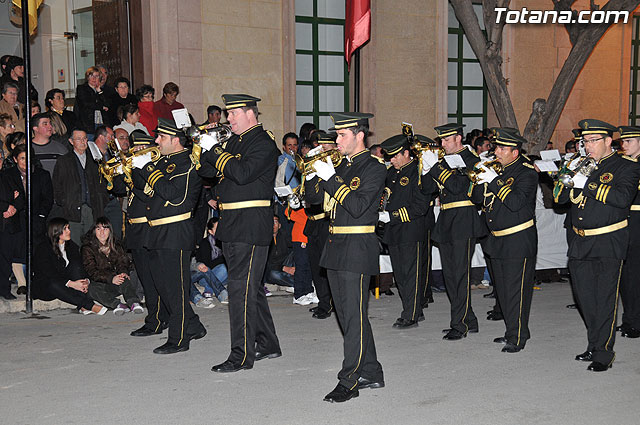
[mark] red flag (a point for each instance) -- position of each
(357, 26)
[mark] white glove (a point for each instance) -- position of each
(311, 176)
(384, 217)
(487, 175)
(579, 180)
(141, 160)
(324, 170)
(315, 151)
(294, 202)
(207, 142)
(429, 159)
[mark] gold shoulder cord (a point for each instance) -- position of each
(488, 206)
(186, 189)
(579, 200)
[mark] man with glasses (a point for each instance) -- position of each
(600, 202)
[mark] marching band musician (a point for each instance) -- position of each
(457, 228)
(246, 166)
(629, 287)
(509, 201)
(600, 204)
(351, 252)
(405, 231)
(174, 188)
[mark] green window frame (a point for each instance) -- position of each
(316, 54)
(460, 89)
(634, 91)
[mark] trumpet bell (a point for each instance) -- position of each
(305, 165)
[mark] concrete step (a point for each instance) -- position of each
(19, 305)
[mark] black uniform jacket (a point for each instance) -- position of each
(317, 225)
(410, 212)
(356, 189)
(136, 225)
(605, 200)
(456, 223)
(634, 219)
(509, 201)
(174, 188)
(247, 167)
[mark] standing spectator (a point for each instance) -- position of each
(306, 130)
(108, 266)
(287, 175)
(58, 270)
(54, 102)
(214, 113)
(122, 97)
(6, 127)
(481, 144)
(303, 293)
(9, 105)
(122, 136)
(131, 119)
(168, 102)
(14, 72)
(35, 107)
(46, 150)
(77, 187)
(148, 116)
(59, 131)
(13, 140)
(92, 104)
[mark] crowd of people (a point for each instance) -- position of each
(224, 221)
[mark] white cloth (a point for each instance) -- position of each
(141, 160)
(384, 217)
(579, 180)
(130, 127)
(82, 158)
(64, 254)
(486, 176)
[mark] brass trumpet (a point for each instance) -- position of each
(305, 165)
(220, 132)
(583, 164)
(418, 148)
(123, 162)
(474, 173)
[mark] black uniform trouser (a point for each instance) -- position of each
(409, 269)
(249, 316)
(172, 278)
(6, 256)
(513, 278)
(156, 312)
(456, 268)
(597, 282)
(630, 288)
(426, 283)
(351, 296)
(319, 274)
(494, 282)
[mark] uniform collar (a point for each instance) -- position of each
(177, 153)
(407, 164)
(247, 131)
(455, 153)
(358, 156)
(513, 162)
(607, 156)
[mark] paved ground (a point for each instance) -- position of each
(72, 369)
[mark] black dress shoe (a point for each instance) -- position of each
(313, 309)
(598, 367)
(171, 348)
(388, 292)
(630, 332)
(8, 296)
(321, 314)
(368, 383)
(341, 394)
(494, 315)
(500, 340)
(587, 356)
(471, 330)
(405, 324)
(454, 335)
(572, 306)
(145, 331)
(421, 317)
(200, 334)
(511, 348)
(229, 366)
(438, 289)
(491, 294)
(261, 356)
(22, 290)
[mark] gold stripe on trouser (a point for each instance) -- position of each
(182, 291)
(415, 297)
(524, 266)
(158, 313)
(615, 312)
(466, 308)
(457, 204)
(360, 356)
(246, 294)
(428, 261)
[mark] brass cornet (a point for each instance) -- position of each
(474, 173)
(583, 164)
(220, 132)
(418, 148)
(123, 162)
(305, 165)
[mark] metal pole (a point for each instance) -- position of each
(356, 81)
(26, 52)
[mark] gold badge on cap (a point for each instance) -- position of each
(170, 168)
(404, 181)
(355, 183)
(593, 186)
(606, 178)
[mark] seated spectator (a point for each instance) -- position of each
(148, 116)
(209, 269)
(59, 131)
(570, 147)
(131, 119)
(54, 102)
(122, 136)
(13, 140)
(279, 269)
(9, 105)
(58, 270)
(6, 127)
(108, 266)
(122, 97)
(168, 102)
